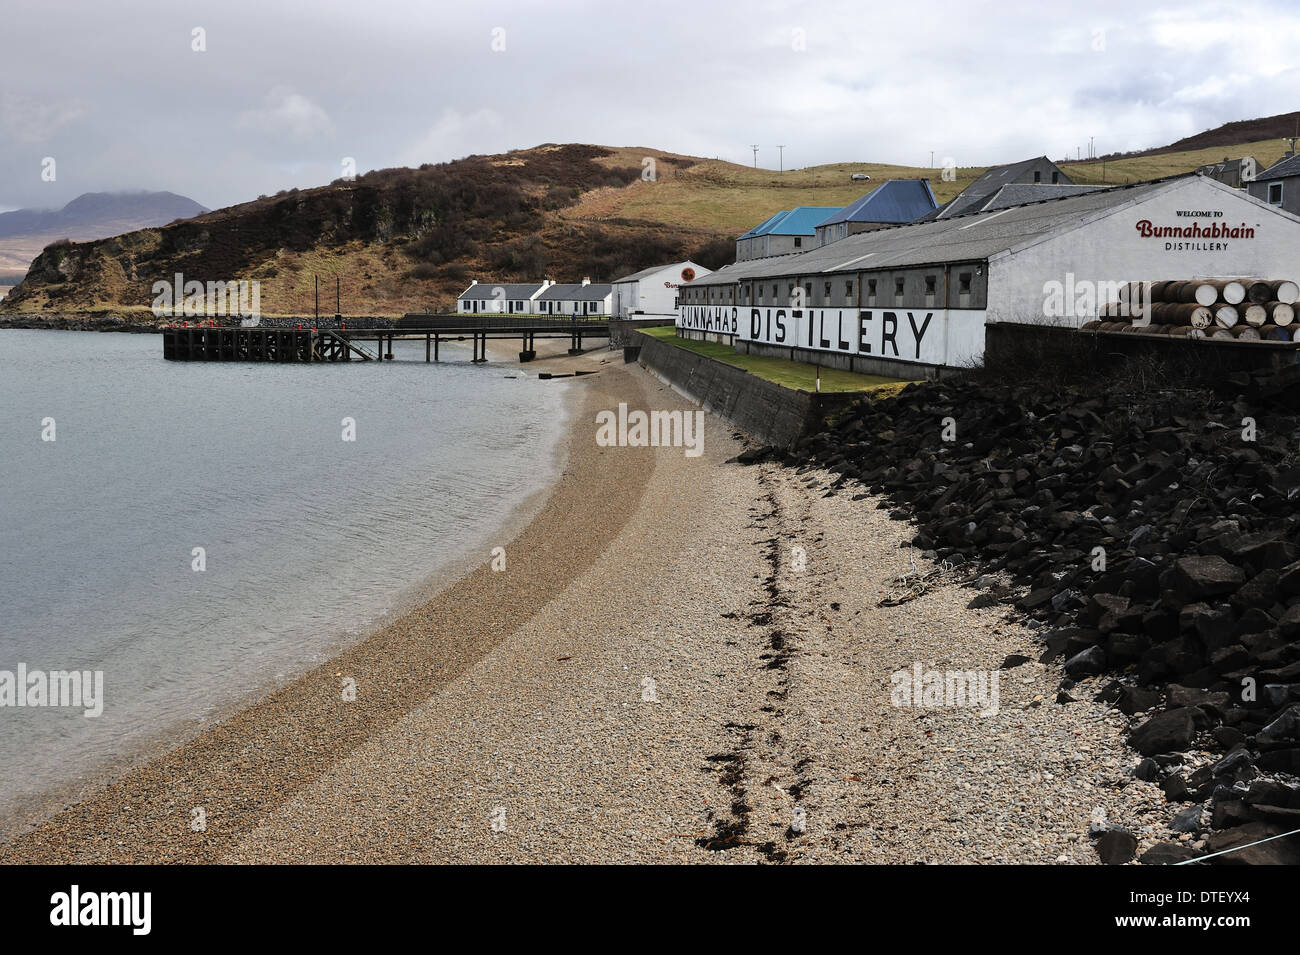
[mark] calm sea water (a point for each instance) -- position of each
(309, 539)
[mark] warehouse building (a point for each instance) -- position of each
(1279, 185)
(790, 230)
(507, 298)
(652, 292)
(976, 196)
(893, 202)
(919, 298)
(568, 300)
(1231, 172)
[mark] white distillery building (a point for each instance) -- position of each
(567, 300)
(652, 292)
(503, 298)
(917, 298)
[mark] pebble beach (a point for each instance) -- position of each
(683, 660)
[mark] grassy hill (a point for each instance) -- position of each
(411, 239)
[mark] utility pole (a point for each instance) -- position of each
(931, 158)
(754, 146)
(1092, 153)
(781, 153)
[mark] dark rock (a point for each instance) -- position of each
(1274, 852)
(1148, 770)
(1196, 578)
(1014, 660)
(1116, 847)
(1086, 663)
(1168, 853)
(1172, 729)
(1189, 820)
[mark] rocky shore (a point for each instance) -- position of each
(1149, 536)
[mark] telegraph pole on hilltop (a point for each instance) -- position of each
(754, 146)
(781, 154)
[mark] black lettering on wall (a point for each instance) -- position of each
(889, 332)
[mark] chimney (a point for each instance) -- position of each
(586, 280)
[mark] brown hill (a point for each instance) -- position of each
(398, 239)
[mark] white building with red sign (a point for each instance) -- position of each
(652, 292)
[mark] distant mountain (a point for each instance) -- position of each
(93, 215)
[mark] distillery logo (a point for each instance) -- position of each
(195, 299)
(653, 429)
(1215, 230)
(79, 689)
(922, 687)
(75, 907)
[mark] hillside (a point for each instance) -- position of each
(92, 215)
(411, 239)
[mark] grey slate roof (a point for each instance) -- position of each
(576, 293)
(1282, 170)
(484, 291)
(960, 239)
(973, 196)
(1019, 193)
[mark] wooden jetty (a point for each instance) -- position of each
(332, 344)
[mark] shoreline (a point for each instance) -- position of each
(651, 680)
(283, 719)
(30, 811)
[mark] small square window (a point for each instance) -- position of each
(798, 241)
(1275, 193)
(963, 283)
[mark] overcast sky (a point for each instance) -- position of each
(117, 95)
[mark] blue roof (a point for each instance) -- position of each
(895, 200)
(802, 220)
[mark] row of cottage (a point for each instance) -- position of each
(650, 293)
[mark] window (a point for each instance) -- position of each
(963, 283)
(775, 293)
(798, 242)
(1038, 177)
(929, 289)
(1056, 178)
(871, 291)
(828, 291)
(898, 288)
(1275, 193)
(848, 291)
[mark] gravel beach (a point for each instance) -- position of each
(684, 660)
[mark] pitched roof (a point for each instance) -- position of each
(1019, 193)
(1282, 170)
(655, 270)
(968, 200)
(485, 291)
(801, 220)
(966, 238)
(895, 200)
(576, 292)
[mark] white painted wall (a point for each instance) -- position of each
(1112, 250)
(952, 337)
(649, 294)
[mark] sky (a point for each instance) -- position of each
(224, 101)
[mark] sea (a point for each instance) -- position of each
(198, 533)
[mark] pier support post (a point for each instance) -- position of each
(428, 341)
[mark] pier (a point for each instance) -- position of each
(309, 344)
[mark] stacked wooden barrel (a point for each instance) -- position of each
(1241, 309)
